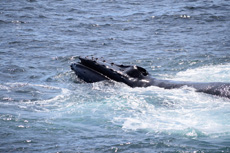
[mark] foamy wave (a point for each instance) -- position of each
(35, 97)
(218, 73)
(177, 111)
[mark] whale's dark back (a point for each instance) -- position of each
(93, 70)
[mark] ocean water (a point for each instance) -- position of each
(45, 108)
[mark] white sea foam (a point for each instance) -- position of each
(22, 94)
(182, 111)
(216, 73)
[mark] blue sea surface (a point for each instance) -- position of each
(44, 107)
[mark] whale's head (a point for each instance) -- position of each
(94, 70)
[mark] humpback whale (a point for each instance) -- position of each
(94, 70)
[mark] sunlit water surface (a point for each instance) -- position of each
(45, 108)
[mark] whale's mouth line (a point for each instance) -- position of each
(93, 70)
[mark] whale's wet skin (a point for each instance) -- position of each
(93, 70)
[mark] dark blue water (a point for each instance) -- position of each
(44, 108)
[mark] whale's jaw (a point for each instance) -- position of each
(87, 74)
